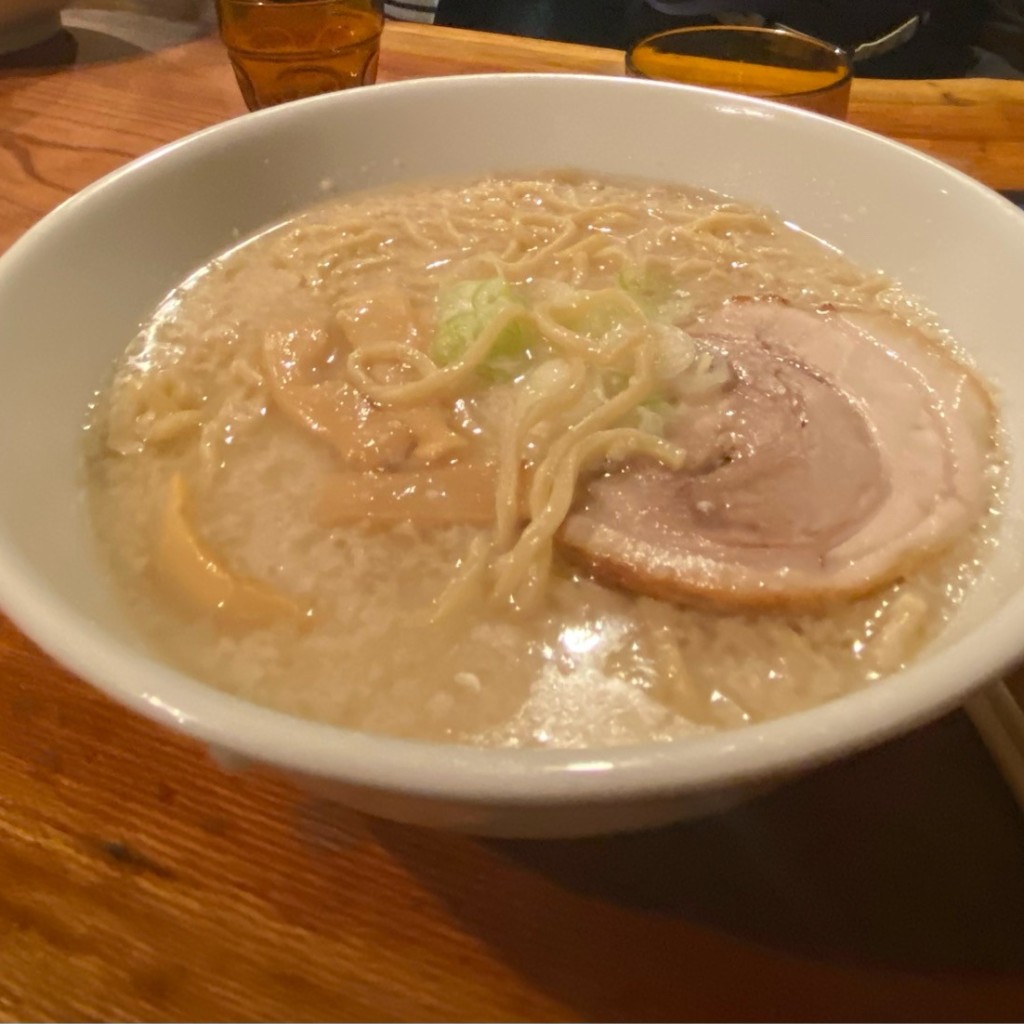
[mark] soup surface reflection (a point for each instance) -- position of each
(555, 461)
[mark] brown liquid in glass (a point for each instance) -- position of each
(287, 50)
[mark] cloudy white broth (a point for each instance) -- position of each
(553, 460)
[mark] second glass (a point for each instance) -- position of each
(286, 49)
(776, 64)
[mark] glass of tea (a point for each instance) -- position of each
(778, 64)
(286, 49)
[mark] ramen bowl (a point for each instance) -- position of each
(74, 290)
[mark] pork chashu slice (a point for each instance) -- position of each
(848, 448)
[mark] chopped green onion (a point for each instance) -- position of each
(454, 335)
(464, 310)
(650, 285)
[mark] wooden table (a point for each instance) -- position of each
(138, 880)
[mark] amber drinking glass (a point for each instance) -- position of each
(777, 64)
(286, 49)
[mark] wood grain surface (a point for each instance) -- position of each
(140, 881)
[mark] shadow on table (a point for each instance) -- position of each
(898, 858)
(68, 47)
(53, 54)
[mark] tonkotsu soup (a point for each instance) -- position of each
(553, 460)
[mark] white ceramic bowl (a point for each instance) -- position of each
(74, 289)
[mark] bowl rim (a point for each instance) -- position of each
(501, 776)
